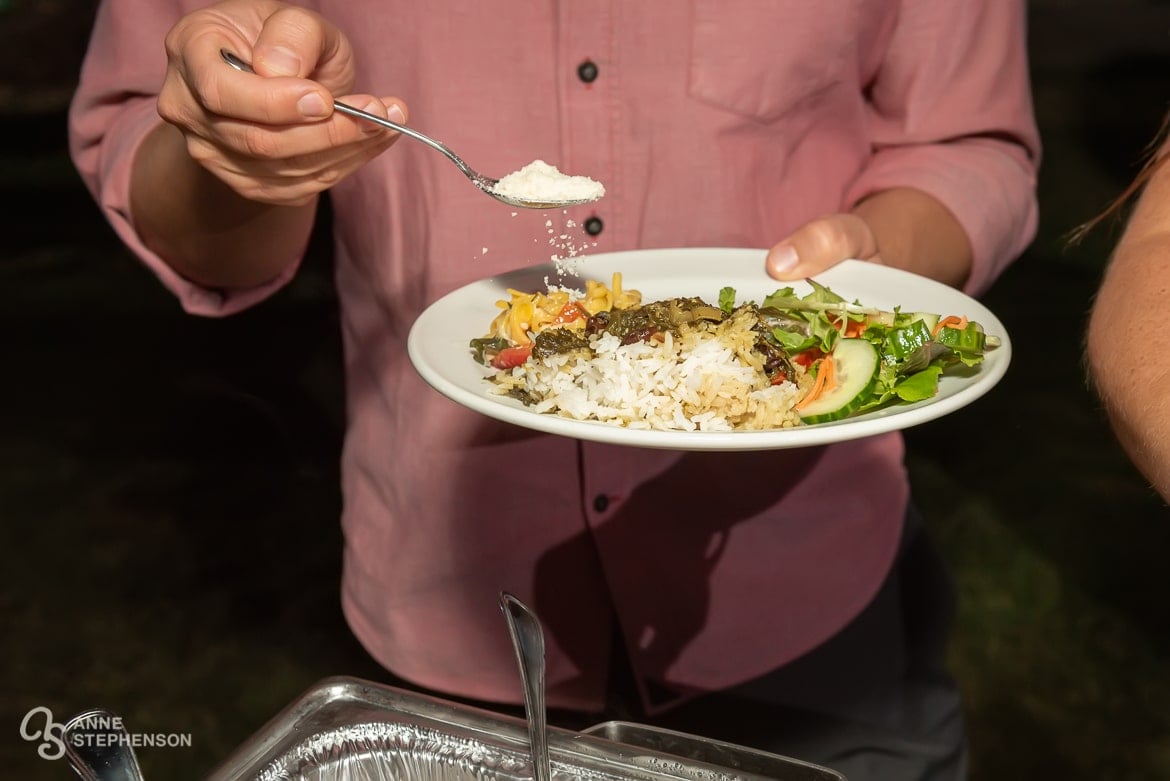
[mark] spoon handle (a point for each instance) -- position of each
(345, 108)
(528, 640)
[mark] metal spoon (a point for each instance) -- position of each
(98, 747)
(528, 640)
(485, 183)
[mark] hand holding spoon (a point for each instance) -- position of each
(584, 190)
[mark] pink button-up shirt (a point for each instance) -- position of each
(711, 123)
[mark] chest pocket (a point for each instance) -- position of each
(767, 59)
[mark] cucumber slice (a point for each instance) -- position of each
(966, 340)
(856, 365)
(929, 319)
(904, 341)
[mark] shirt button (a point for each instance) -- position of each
(593, 226)
(587, 71)
(601, 503)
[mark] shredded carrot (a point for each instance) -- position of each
(826, 380)
(830, 369)
(848, 326)
(950, 321)
(855, 328)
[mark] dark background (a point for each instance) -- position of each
(169, 486)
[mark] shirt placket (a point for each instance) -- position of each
(588, 76)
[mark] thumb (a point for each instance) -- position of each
(821, 243)
(301, 43)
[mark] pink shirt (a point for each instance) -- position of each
(711, 123)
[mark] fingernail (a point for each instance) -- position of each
(782, 259)
(370, 128)
(394, 114)
(280, 61)
(312, 106)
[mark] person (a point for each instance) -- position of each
(684, 589)
(1125, 373)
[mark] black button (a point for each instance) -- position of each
(601, 503)
(593, 226)
(587, 71)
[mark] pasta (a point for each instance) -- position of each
(526, 314)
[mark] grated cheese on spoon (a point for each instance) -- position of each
(540, 182)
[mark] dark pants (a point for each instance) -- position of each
(874, 703)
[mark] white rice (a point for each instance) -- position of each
(704, 379)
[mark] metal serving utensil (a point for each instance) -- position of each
(484, 183)
(98, 747)
(528, 640)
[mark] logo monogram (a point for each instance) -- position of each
(52, 744)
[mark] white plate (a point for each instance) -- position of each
(438, 342)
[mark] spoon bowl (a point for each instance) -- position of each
(484, 183)
(528, 640)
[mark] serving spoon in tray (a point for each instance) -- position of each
(485, 183)
(528, 641)
(99, 748)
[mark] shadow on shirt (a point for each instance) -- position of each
(661, 544)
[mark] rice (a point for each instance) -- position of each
(704, 378)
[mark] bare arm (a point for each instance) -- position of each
(201, 227)
(1128, 355)
(915, 232)
(902, 227)
(226, 191)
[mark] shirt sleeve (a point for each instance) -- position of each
(113, 109)
(951, 115)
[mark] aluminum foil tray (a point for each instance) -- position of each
(345, 729)
(737, 759)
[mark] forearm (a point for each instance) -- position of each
(205, 231)
(1128, 356)
(915, 232)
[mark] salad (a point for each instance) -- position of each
(862, 358)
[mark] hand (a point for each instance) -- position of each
(271, 136)
(822, 243)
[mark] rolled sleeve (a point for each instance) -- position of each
(982, 184)
(952, 116)
(112, 111)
